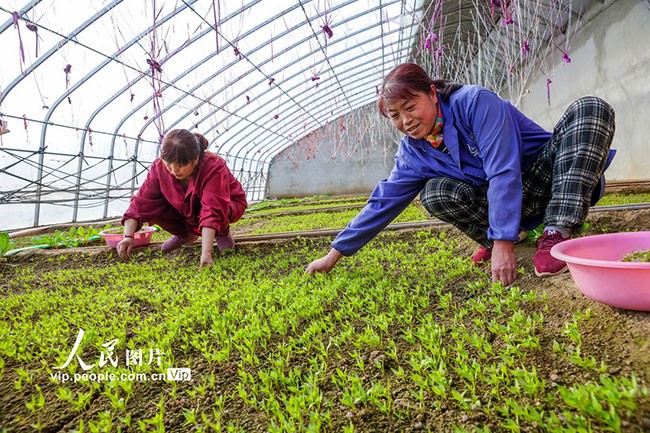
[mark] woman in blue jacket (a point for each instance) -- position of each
(484, 167)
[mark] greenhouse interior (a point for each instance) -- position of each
(220, 216)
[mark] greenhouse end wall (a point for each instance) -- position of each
(610, 58)
(349, 155)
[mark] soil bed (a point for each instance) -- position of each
(616, 338)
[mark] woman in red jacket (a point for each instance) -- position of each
(189, 192)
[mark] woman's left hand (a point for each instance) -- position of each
(206, 260)
(504, 262)
(207, 239)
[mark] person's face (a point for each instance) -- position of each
(416, 116)
(181, 172)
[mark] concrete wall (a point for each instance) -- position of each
(611, 59)
(347, 156)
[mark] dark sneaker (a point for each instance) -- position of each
(545, 264)
(176, 242)
(224, 241)
(482, 255)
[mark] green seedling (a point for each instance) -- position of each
(6, 244)
(377, 335)
(638, 256)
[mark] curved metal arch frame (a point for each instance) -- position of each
(265, 162)
(329, 91)
(306, 56)
(253, 160)
(144, 103)
(248, 151)
(261, 25)
(277, 147)
(296, 74)
(150, 98)
(31, 68)
(256, 67)
(207, 80)
(64, 41)
(358, 99)
(35, 65)
(187, 93)
(256, 149)
(76, 86)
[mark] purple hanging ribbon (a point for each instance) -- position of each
(33, 28)
(16, 18)
(327, 30)
(67, 70)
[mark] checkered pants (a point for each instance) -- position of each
(557, 187)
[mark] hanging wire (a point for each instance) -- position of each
(75, 128)
(325, 53)
(112, 58)
(243, 56)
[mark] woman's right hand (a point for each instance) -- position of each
(125, 247)
(325, 263)
(504, 262)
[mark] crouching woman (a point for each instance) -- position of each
(189, 192)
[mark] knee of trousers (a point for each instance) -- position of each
(439, 197)
(594, 106)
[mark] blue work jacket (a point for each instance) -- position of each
(490, 143)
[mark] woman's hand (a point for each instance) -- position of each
(206, 259)
(504, 262)
(124, 247)
(207, 239)
(325, 263)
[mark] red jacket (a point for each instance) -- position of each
(213, 198)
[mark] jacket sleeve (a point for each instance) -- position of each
(389, 198)
(148, 200)
(499, 142)
(217, 205)
(238, 202)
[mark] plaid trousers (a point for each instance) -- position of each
(557, 187)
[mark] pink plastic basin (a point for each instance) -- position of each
(141, 237)
(596, 267)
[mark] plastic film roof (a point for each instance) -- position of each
(88, 89)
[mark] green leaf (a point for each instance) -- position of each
(5, 243)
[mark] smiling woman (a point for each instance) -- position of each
(480, 164)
